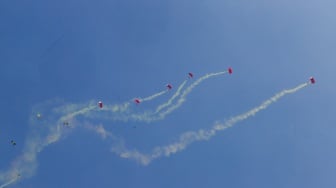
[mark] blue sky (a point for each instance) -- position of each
(53, 54)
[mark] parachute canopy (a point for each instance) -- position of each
(137, 101)
(169, 86)
(230, 70)
(312, 80)
(100, 104)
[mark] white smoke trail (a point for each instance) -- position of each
(186, 92)
(157, 115)
(100, 130)
(117, 108)
(190, 137)
(160, 113)
(52, 131)
(149, 116)
(146, 116)
(10, 182)
(176, 94)
(124, 108)
(40, 137)
(79, 112)
(154, 96)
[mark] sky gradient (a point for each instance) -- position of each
(63, 56)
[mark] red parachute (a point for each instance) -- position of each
(100, 104)
(137, 101)
(230, 70)
(169, 86)
(312, 80)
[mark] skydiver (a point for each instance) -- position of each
(169, 86)
(66, 124)
(100, 104)
(13, 143)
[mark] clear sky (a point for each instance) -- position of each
(58, 57)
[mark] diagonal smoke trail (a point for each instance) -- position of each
(117, 108)
(190, 137)
(153, 96)
(186, 92)
(10, 182)
(39, 138)
(160, 113)
(52, 130)
(176, 94)
(148, 116)
(124, 108)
